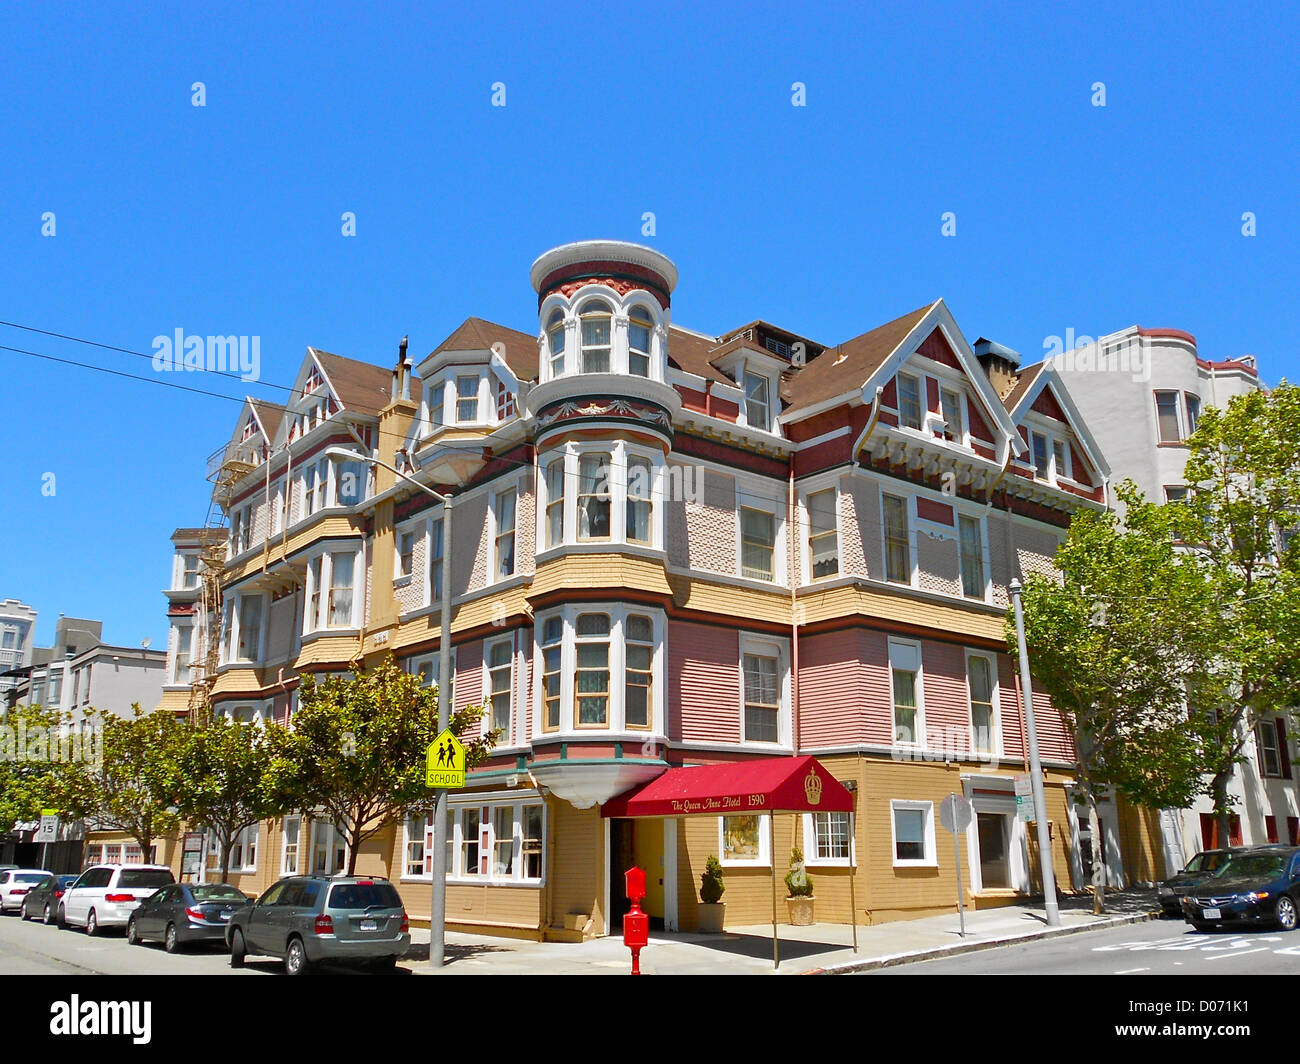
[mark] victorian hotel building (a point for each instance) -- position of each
(667, 549)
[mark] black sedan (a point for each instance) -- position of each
(1260, 886)
(184, 913)
(43, 899)
(1200, 868)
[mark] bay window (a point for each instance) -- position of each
(552, 653)
(250, 627)
(243, 850)
(639, 504)
(503, 841)
(469, 825)
(289, 855)
(555, 502)
(595, 319)
(437, 396)
(639, 655)
(340, 594)
(467, 399)
(184, 648)
(487, 842)
(1167, 417)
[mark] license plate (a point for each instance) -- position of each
(1210, 914)
(369, 925)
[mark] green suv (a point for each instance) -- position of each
(307, 919)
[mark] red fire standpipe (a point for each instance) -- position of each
(636, 924)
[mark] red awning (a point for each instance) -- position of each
(769, 785)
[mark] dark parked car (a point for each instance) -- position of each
(1200, 868)
(306, 919)
(43, 899)
(1258, 886)
(186, 912)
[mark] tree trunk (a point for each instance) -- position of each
(225, 859)
(1098, 857)
(1222, 810)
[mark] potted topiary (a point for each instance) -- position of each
(798, 885)
(711, 888)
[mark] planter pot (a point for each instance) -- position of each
(800, 910)
(710, 916)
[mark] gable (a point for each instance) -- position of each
(1047, 405)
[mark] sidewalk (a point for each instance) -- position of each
(820, 949)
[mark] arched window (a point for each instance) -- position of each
(596, 318)
(639, 331)
(555, 341)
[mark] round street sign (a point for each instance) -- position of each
(955, 813)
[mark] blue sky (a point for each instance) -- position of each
(824, 219)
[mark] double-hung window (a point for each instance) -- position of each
(289, 856)
(1041, 455)
(591, 686)
(243, 850)
(314, 578)
(435, 560)
(555, 342)
(190, 574)
(979, 676)
(552, 656)
(1167, 417)
(639, 502)
(913, 831)
(471, 825)
(413, 863)
(405, 553)
(638, 648)
(823, 534)
(499, 687)
(905, 678)
(503, 510)
(758, 406)
(762, 709)
(322, 484)
(972, 557)
(898, 545)
(467, 399)
(436, 400)
(757, 544)
(595, 319)
(1270, 739)
(826, 838)
(340, 596)
(1193, 412)
(555, 503)
(1060, 460)
(593, 495)
(250, 626)
(909, 401)
(953, 428)
(639, 331)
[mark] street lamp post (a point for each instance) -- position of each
(438, 901)
(1035, 764)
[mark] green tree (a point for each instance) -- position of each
(29, 779)
(356, 754)
(129, 790)
(223, 780)
(1239, 522)
(1111, 651)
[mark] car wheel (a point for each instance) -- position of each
(92, 923)
(62, 920)
(1285, 913)
(132, 932)
(237, 949)
(22, 911)
(171, 943)
(295, 961)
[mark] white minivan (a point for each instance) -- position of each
(107, 895)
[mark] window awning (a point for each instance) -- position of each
(767, 785)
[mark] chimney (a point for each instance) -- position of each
(1001, 365)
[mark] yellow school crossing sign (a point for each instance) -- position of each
(445, 762)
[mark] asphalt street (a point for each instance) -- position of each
(1157, 947)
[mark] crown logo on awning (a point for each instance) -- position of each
(812, 788)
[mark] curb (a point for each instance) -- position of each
(851, 967)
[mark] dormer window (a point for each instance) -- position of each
(314, 381)
(638, 342)
(250, 429)
(555, 342)
(596, 318)
(954, 429)
(758, 408)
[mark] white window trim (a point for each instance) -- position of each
(764, 859)
(805, 532)
(920, 744)
(621, 308)
(242, 839)
(772, 400)
(981, 520)
(617, 720)
(620, 452)
(746, 500)
(995, 694)
(184, 637)
(767, 646)
(909, 509)
(508, 641)
(810, 844)
(931, 859)
(491, 577)
(415, 530)
(481, 803)
(314, 625)
(921, 406)
(319, 830)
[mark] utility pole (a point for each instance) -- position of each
(1035, 764)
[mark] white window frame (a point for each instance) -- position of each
(995, 722)
(764, 859)
(620, 455)
(493, 575)
(746, 374)
(807, 533)
(747, 500)
(905, 646)
(920, 400)
(767, 647)
(324, 832)
(931, 857)
(507, 737)
(320, 568)
(402, 573)
(284, 846)
(481, 804)
(981, 524)
(909, 515)
(477, 398)
(811, 856)
(243, 839)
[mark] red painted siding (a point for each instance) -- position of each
(703, 683)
